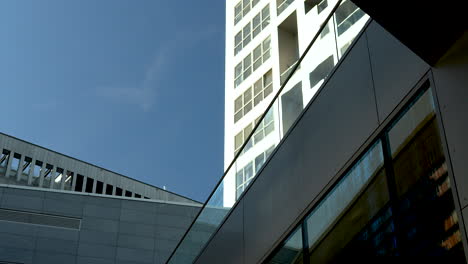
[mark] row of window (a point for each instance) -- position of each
(246, 174)
(266, 126)
(252, 29)
(243, 8)
(40, 174)
(259, 91)
(252, 61)
(394, 201)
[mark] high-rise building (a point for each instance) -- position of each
(360, 153)
(264, 41)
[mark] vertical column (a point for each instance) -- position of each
(64, 177)
(31, 171)
(41, 174)
(93, 190)
(75, 175)
(85, 181)
(52, 176)
(19, 171)
(8, 167)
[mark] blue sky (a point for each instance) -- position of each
(134, 86)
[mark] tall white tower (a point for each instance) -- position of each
(264, 40)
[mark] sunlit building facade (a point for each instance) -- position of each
(264, 41)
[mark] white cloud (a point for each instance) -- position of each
(144, 93)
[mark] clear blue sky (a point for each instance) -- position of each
(134, 86)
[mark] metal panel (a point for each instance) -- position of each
(99, 224)
(135, 255)
(47, 258)
(136, 216)
(112, 213)
(138, 242)
(98, 237)
(90, 260)
(137, 229)
(96, 251)
(451, 79)
(395, 68)
(63, 207)
(56, 246)
(338, 121)
(227, 245)
(16, 255)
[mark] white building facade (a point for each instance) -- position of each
(264, 41)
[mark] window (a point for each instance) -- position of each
(109, 189)
(321, 71)
(57, 180)
(4, 158)
(15, 162)
(291, 106)
(290, 251)
(259, 55)
(252, 29)
(137, 195)
(89, 185)
(118, 191)
(347, 15)
(261, 89)
(265, 128)
(239, 139)
(128, 194)
(79, 183)
(245, 175)
(282, 5)
(242, 9)
(69, 180)
(394, 201)
(310, 4)
(99, 187)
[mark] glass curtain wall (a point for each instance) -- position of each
(395, 201)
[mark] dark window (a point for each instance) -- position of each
(109, 189)
(137, 195)
(99, 187)
(89, 185)
(147, 197)
(128, 194)
(292, 106)
(118, 191)
(310, 4)
(79, 183)
(396, 200)
(321, 71)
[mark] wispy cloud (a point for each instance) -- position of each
(144, 93)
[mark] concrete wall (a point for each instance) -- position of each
(368, 88)
(113, 230)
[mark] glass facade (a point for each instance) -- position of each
(396, 200)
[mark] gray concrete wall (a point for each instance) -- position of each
(367, 89)
(113, 230)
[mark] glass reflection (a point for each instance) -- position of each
(426, 216)
(290, 251)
